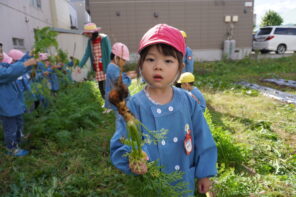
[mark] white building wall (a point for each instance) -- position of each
(75, 45)
(60, 14)
(19, 18)
(82, 15)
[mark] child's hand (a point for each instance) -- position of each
(30, 62)
(78, 70)
(203, 185)
(46, 73)
(139, 166)
(131, 74)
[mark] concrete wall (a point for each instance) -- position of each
(60, 14)
(83, 16)
(202, 20)
(19, 18)
(74, 45)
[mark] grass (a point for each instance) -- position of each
(265, 127)
(255, 135)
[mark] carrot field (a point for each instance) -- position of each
(255, 136)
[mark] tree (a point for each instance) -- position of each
(271, 18)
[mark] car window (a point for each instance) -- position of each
(281, 31)
(264, 31)
(292, 31)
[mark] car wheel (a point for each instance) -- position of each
(281, 49)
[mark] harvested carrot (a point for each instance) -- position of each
(137, 158)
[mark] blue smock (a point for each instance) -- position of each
(112, 75)
(180, 114)
(188, 61)
(23, 82)
(11, 97)
(36, 82)
(53, 79)
(199, 97)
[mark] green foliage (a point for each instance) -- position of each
(230, 154)
(63, 118)
(222, 75)
(69, 141)
(229, 184)
(135, 87)
(62, 57)
(129, 67)
(157, 183)
(271, 18)
(154, 182)
(44, 38)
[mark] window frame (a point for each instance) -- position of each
(18, 43)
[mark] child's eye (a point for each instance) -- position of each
(169, 61)
(149, 59)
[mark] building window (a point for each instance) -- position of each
(36, 3)
(18, 43)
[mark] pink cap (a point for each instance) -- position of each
(43, 56)
(119, 49)
(165, 34)
(91, 28)
(6, 58)
(15, 54)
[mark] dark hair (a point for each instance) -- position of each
(164, 49)
(1, 44)
(94, 35)
(112, 56)
(178, 85)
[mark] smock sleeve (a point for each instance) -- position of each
(118, 150)
(205, 148)
(11, 72)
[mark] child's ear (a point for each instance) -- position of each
(183, 65)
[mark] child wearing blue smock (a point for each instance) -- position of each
(119, 56)
(187, 82)
(24, 81)
(188, 145)
(188, 57)
(52, 77)
(38, 91)
(11, 104)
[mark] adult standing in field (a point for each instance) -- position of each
(188, 58)
(98, 50)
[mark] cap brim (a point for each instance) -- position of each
(92, 31)
(152, 42)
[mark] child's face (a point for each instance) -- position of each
(158, 70)
(1, 57)
(120, 62)
(88, 35)
(1, 54)
(47, 63)
(185, 86)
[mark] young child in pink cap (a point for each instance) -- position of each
(119, 56)
(188, 145)
(12, 105)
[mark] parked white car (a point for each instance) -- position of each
(275, 38)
